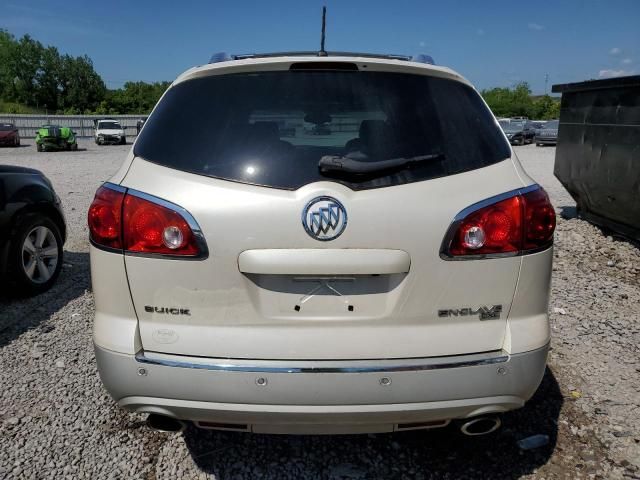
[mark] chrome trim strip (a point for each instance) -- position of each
(448, 238)
(356, 366)
(113, 186)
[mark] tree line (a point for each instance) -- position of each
(518, 102)
(37, 78)
(41, 79)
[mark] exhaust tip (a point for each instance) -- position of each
(481, 426)
(162, 423)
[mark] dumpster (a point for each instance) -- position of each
(598, 151)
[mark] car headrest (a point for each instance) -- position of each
(264, 130)
(372, 129)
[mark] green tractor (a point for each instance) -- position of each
(55, 138)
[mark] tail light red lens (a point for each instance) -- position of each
(105, 218)
(138, 223)
(539, 220)
(493, 229)
(153, 228)
(515, 224)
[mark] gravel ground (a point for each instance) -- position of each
(56, 421)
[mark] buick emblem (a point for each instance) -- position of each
(324, 218)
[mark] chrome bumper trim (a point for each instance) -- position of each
(324, 366)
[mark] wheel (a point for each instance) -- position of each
(35, 254)
(538, 144)
(123, 141)
(39, 147)
(74, 147)
(523, 141)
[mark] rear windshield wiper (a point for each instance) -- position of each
(338, 163)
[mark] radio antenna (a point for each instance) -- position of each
(322, 52)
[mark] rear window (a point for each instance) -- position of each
(272, 128)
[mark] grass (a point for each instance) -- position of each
(18, 108)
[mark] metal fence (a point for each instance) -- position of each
(83, 125)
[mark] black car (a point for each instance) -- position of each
(548, 135)
(9, 135)
(32, 230)
(518, 132)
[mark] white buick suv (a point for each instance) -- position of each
(321, 244)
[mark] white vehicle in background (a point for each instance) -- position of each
(109, 132)
(381, 272)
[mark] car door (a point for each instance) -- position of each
(529, 130)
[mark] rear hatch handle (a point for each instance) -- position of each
(315, 261)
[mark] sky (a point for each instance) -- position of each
(493, 43)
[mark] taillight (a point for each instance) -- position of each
(152, 228)
(519, 222)
(141, 224)
(539, 220)
(105, 218)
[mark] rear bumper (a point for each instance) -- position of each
(110, 140)
(55, 143)
(322, 396)
(547, 141)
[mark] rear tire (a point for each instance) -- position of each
(39, 147)
(35, 255)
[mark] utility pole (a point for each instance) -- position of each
(546, 80)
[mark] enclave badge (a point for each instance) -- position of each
(484, 312)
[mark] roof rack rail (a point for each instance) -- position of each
(422, 58)
(225, 57)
